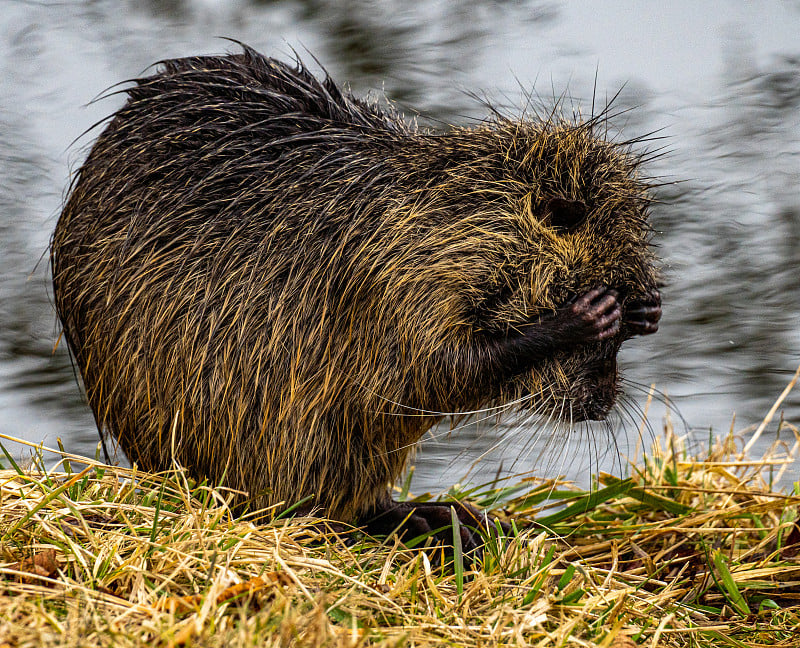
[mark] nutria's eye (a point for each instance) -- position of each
(565, 216)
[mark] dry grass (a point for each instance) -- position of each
(690, 551)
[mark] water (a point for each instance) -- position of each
(719, 81)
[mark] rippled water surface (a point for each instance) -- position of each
(719, 82)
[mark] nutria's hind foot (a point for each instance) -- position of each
(415, 520)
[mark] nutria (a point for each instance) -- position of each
(282, 286)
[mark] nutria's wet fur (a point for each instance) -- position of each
(283, 286)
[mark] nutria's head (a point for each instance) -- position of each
(569, 211)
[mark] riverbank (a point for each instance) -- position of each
(694, 549)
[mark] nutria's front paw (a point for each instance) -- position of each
(642, 315)
(596, 315)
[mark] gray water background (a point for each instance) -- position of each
(719, 81)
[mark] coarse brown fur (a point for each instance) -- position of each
(282, 287)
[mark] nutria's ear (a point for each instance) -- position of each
(565, 216)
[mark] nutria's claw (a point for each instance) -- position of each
(642, 326)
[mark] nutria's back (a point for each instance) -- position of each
(282, 286)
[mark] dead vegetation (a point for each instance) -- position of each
(689, 551)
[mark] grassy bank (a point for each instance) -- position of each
(690, 551)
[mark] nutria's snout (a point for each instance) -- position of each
(590, 396)
(596, 394)
(595, 409)
(588, 403)
(594, 412)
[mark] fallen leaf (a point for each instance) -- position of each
(41, 564)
